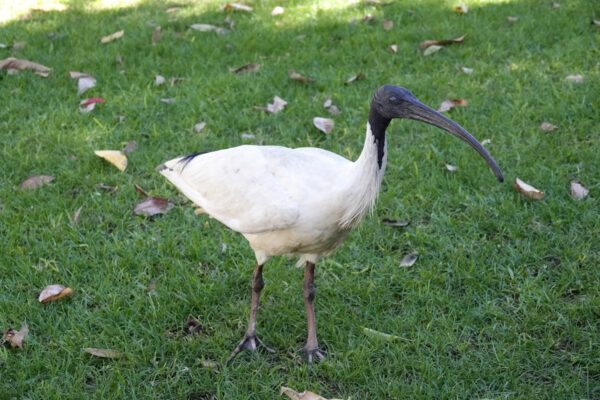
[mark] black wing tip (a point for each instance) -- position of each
(187, 159)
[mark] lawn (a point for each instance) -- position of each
(502, 302)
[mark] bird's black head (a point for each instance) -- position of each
(391, 102)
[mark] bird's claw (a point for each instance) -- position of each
(250, 343)
(314, 355)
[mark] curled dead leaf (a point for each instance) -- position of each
(12, 63)
(358, 77)
(103, 353)
(595, 22)
(387, 24)
(15, 338)
(130, 147)
(451, 168)
(333, 110)
(250, 68)
(451, 103)
(527, 189)
(115, 157)
(153, 206)
(168, 100)
(199, 127)
(486, 142)
(273, 108)
(547, 127)
(77, 214)
(445, 42)
(297, 77)
(236, 7)
(112, 36)
(328, 102)
(393, 48)
(87, 105)
(432, 49)
(35, 181)
(325, 125)
(409, 259)
(54, 292)
(84, 81)
(209, 28)
(277, 11)
(578, 191)
(112, 189)
(159, 80)
(462, 9)
(139, 189)
(466, 70)
(393, 222)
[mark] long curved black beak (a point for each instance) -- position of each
(420, 112)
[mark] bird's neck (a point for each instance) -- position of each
(367, 171)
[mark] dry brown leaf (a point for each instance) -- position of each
(156, 35)
(15, 338)
(306, 395)
(199, 127)
(209, 364)
(387, 24)
(432, 49)
(35, 181)
(445, 42)
(357, 77)
(393, 222)
(208, 28)
(548, 127)
(84, 81)
(462, 9)
(328, 102)
(296, 76)
(115, 157)
(77, 215)
(277, 105)
(409, 259)
(151, 290)
(103, 353)
(139, 189)
(575, 78)
(512, 19)
(87, 105)
(486, 142)
(112, 189)
(393, 48)
(277, 11)
(54, 292)
(12, 63)
(578, 191)
(333, 110)
(527, 189)
(174, 81)
(248, 68)
(325, 125)
(451, 168)
(466, 70)
(451, 103)
(112, 36)
(152, 206)
(236, 7)
(130, 147)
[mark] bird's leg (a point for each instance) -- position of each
(250, 341)
(311, 350)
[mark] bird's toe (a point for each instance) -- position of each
(250, 343)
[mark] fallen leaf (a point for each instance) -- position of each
(555, 5)
(296, 76)
(466, 70)
(333, 110)
(118, 59)
(393, 48)
(208, 28)
(35, 181)
(15, 338)
(172, 10)
(173, 81)
(527, 189)
(451, 103)
(12, 63)
(432, 49)
(236, 7)
(169, 100)
(328, 102)
(199, 127)
(112, 189)
(115, 157)
(486, 141)
(130, 146)
(104, 353)
(84, 81)
(159, 80)
(578, 191)
(111, 37)
(445, 42)
(462, 9)
(387, 24)
(277, 11)
(18, 45)
(87, 105)
(248, 136)
(369, 18)
(325, 125)
(596, 22)
(451, 168)
(575, 78)
(229, 22)
(387, 336)
(393, 222)
(139, 189)
(512, 19)
(306, 395)
(209, 364)
(151, 290)
(152, 206)
(357, 77)
(156, 35)
(54, 292)
(278, 105)
(548, 127)
(76, 215)
(409, 259)
(248, 68)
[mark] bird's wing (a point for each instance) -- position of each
(239, 186)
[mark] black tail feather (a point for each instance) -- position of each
(186, 159)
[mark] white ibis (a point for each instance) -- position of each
(301, 201)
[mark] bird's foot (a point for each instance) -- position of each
(250, 343)
(314, 355)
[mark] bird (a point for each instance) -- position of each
(300, 202)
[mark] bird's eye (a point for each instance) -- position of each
(393, 99)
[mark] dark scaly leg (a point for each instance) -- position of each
(250, 341)
(311, 350)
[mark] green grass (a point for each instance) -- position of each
(502, 303)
